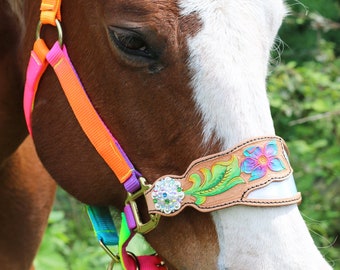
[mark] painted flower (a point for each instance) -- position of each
(259, 160)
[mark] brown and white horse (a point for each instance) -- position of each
(174, 81)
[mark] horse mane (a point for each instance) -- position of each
(16, 6)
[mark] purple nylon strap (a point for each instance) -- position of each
(130, 218)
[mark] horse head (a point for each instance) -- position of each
(173, 81)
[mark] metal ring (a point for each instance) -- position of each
(134, 257)
(111, 265)
(115, 258)
(59, 28)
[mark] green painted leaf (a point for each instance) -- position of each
(200, 200)
(220, 178)
(196, 181)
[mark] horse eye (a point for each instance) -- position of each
(130, 42)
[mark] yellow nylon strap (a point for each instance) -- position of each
(50, 11)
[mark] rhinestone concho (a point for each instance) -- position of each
(167, 195)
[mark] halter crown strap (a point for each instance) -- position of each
(50, 11)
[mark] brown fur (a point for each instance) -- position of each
(12, 124)
(148, 108)
(27, 193)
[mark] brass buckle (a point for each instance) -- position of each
(142, 228)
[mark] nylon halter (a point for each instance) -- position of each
(98, 134)
(255, 173)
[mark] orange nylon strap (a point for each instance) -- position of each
(86, 115)
(50, 11)
(40, 49)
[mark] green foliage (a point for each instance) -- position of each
(311, 23)
(69, 243)
(304, 89)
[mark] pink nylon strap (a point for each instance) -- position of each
(146, 262)
(35, 69)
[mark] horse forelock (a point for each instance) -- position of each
(17, 8)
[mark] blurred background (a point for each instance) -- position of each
(304, 90)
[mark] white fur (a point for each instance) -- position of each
(228, 61)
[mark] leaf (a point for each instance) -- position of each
(220, 178)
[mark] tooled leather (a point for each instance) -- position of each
(236, 195)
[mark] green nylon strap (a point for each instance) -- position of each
(124, 235)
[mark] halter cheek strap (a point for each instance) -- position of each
(100, 137)
(94, 128)
(92, 125)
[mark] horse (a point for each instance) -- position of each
(174, 81)
(27, 190)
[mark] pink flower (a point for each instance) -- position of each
(259, 160)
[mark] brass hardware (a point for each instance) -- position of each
(142, 228)
(134, 257)
(111, 265)
(114, 258)
(59, 28)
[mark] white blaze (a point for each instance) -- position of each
(228, 58)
